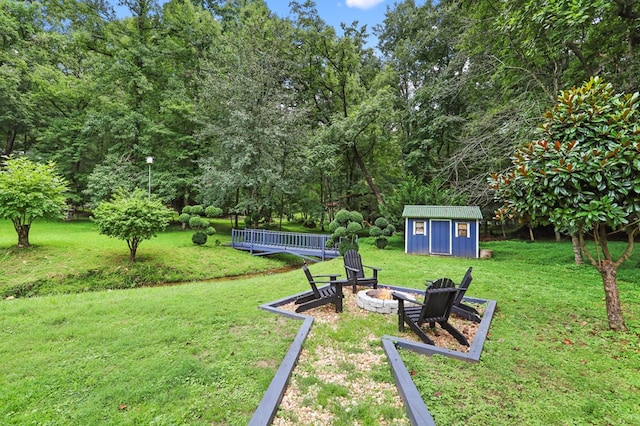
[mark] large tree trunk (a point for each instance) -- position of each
(614, 310)
(577, 250)
(11, 138)
(367, 176)
(23, 235)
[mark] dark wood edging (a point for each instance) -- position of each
(416, 409)
(268, 407)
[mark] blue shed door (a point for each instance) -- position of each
(440, 236)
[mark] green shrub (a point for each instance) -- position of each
(197, 222)
(344, 229)
(381, 242)
(346, 245)
(353, 228)
(375, 231)
(381, 230)
(213, 211)
(381, 222)
(199, 238)
(192, 215)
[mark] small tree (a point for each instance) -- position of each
(30, 191)
(344, 229)
(132, 217)
(380, 231)
(583, 177)
(192, 216)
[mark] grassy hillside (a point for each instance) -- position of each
(203, 353)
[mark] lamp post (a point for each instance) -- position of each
(149, 162)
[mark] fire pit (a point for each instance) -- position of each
(379, 300)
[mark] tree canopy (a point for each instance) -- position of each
(132, 217)
(268, 115)
(30, 191)
(582, 176)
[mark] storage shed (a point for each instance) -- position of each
(442, 230)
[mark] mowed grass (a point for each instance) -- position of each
(72, 257)
(203, 353)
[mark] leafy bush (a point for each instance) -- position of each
(199, 238)
(192, 215)
(197, 209)
(381, 230)
(132, 217)
(213, 211)
(344, 229)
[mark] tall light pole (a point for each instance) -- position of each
(149, 162)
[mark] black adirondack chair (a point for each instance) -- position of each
(326, 289)
(438, 301)
(459, 308)
(353, 267)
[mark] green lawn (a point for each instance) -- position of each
(203, 353)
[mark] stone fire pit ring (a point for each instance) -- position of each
(374, 300)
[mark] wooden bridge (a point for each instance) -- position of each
(260, 242)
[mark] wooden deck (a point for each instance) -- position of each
(260, 242)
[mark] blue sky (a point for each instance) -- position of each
(333, 12)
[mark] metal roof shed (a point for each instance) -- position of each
(442, 230)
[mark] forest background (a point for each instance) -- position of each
(269, 116)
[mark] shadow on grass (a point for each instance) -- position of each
(417, 410)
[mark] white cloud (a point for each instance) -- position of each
(363, 4)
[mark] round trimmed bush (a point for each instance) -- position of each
(343, 216)
(347, 245)
(390, 230)
(184, 218)
(213, 211)
(355, 216)
(198, 222)
(381, 222)
(186, 209)
(210, 230)
(197, 209)
(340, 231)
(353, 227)
(199, 238)
(381, 242)
(374, 231)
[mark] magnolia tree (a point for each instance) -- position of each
(132, 217)
(30, 191)
(582, 176)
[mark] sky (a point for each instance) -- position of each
(334, 12)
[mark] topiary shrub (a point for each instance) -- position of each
(192, 216)
(197, 209)
(344, 230)
(380, 231)
(184, 219)
(199, 238)
(213, 211)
